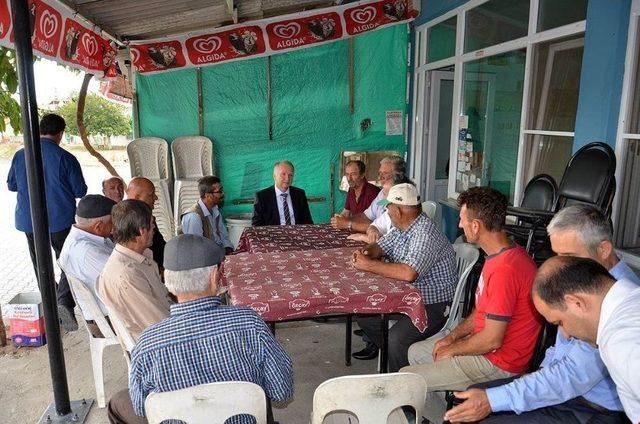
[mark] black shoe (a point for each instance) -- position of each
(320, 320)
(358, 332)
(67, 318)
(369, 352)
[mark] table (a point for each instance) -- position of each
(295, 285)
(284, 238)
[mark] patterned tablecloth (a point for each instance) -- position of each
(277, 238)
(302, 284)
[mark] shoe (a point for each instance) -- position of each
(320, 320)
(358, 332)
(67, 318)
(369, 352)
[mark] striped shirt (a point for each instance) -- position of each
(203, 342)
(423, 247)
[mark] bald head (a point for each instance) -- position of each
(141, 188)
(113, 188)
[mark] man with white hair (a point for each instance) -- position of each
(88, 247)
(282, 203)
(113, 188)
(202, 341)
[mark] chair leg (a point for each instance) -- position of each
(97, 348)
(347, 342)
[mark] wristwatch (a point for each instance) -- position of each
(349, 226)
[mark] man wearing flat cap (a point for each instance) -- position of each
(202, 341)
(88, 247)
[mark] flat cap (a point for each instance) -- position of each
(188, 251)
(94, 206)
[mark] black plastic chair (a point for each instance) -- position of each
(546, 339)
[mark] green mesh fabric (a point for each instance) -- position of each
(311, 121)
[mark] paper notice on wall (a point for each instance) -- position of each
(463, 121)
(394, 122)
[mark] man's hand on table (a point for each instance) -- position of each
(358, 237)
(373, 235)
(362, 261)
(475, 407)
(340, 222)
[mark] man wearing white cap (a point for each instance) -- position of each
(417, 253)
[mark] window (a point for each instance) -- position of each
(495, 22)
(487, 148)
(442, 40)
(556, 13)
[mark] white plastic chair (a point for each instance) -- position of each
(124, 337)
(186, 194)
(371, 398)
(429, 208)
(192, 157)
(96, 344)
(466, 257)
(212, 403)
(149, 158)
(162, 210)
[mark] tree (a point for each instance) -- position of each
(9, 107)
(101, 117)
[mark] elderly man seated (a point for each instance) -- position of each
(204, 218)
(130, 284)
(573, 384)
(113, 188)
(143, 189)
(202, 341)
(361, 192)
(88, 247)
(497, 339)
(417, 253)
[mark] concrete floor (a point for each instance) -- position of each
(25, 389)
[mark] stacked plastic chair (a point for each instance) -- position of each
(149, 158)
(192, 158)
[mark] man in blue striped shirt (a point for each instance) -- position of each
(202, 341)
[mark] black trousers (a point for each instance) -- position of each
(573, 411)
(65, 297)
(403, 333)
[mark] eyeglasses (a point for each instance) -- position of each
(217, 191)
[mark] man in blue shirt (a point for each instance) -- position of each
(573, 384)
(202, 341)
(64, 184)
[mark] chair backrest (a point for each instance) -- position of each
(192, 157)
(371, 398)
(85, 298)
(186, 195)
(546, 338)
(589, 178)
(162, 210)
(210, 403)
(540, 193)
(430, 207)
(125, 338)
(466, 257)
(149, 158)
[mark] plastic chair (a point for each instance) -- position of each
(466, 257)
(96, 344)
(162, 210)
(371, 398)
(192, 157)
(429, 208)
(546, 338)
(149, 158)
(212, 403)
(186, 195)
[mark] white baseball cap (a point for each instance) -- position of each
(402, 194)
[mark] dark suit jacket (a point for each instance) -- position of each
(265, 207)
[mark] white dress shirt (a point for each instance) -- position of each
(619, 343)
(280, 203)
(375, 210)
(83, 256)
(383, 223)
(192, 224)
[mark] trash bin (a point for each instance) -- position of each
(236, 224)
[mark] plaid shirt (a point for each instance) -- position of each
(203, 342)
(423, 247)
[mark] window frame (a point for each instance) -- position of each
(421, 94)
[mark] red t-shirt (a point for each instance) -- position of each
(369, 192)
(504, 294)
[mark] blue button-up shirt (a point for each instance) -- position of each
(63, 183)
(423, 247)
(570, 369)
(192, 224)
(203, 342)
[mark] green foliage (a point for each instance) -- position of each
(9, 107)
(101, 117)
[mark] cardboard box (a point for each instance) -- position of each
(26, 320)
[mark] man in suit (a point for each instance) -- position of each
(281, 204)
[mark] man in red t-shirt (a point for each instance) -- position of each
(361, 192)
(497, 339)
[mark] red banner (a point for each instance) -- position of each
(226, 45)
(369, 17)
(5, 20)
(295, 33)
(86, 48)
(159, 56)
(46, 24)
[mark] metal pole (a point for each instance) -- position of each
(35, 179)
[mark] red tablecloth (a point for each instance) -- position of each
(301, 284)
(284, 238)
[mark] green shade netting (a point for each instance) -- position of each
(311, 121)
